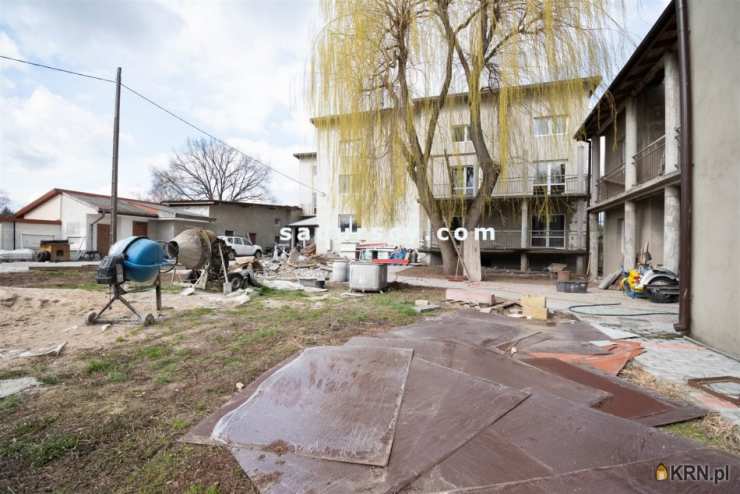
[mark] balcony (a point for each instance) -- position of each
(611, 184)
(650, 160)
(519, 187)
(511, 239)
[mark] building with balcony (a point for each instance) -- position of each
(635, 171)
(663, 159)
(538, 207)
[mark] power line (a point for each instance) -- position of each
(170, 113)
(58, 69)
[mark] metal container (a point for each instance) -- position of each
(368, 277)
(572, 286)
(339, 271)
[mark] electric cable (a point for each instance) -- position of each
(170, 113)
(573, 308)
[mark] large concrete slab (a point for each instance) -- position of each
(336, 403)
(442, 410)
(489, 364)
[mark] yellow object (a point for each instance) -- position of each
(661, 472)
(631, 281)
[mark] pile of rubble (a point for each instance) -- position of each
(444, 405)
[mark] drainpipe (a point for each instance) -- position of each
(686, 160)
(14, 223)
(589, 264)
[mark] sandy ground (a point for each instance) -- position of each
(40, 318)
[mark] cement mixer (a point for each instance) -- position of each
(203, 253)
(136, 259)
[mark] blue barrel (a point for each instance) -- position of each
(142, 258)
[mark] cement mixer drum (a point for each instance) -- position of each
(192, 247)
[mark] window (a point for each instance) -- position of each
(548, 231)
(550, 125)
(347, 223)
(460, 133)
(344, 184)
(463, 179)
(277, 221)
(236, 241)
(549, 178)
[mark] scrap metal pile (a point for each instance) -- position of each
(465, 402)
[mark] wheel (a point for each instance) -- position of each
(231, 255)
(245, 281)
(149, 319)
(236, 281)
(258, 254)
(91, 317)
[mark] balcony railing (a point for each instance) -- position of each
(519, 186)
(650, 160)
(511, 239)
(611, 184)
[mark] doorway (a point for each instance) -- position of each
(103, 239)
(141, 229)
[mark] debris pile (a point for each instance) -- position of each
(444, 405)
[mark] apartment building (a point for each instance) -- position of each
(664, 173)
(538, 207)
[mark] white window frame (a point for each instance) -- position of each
(465, 189)
(353, 225)
(550, 119)
(550, 183)
(466, 132)
(548, 235)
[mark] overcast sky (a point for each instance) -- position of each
(234, 68)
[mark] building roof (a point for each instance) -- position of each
(312, 221)
(306, 155)
(662, 36)
(205, 202)
(102, 203)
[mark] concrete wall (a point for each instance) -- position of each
(650, 226)
(413, 225)
(307, 174)
(50, 210)
(715, 40)
(613, 239)
(264, 221)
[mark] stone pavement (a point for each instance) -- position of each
(668, 356)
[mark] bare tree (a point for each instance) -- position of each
(5, 204)
(386, 69)
(207, 169)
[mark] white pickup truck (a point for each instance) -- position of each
(241, 246)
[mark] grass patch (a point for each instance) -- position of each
(39, 454)
(9, 404)
(712, 430)
(124, 438)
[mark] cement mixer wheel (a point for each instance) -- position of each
(149, 319)
(231, 254)
(90, 318)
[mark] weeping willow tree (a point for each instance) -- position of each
(388, 78)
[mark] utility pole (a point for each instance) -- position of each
(114, 178)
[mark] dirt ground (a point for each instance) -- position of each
(113, 405)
